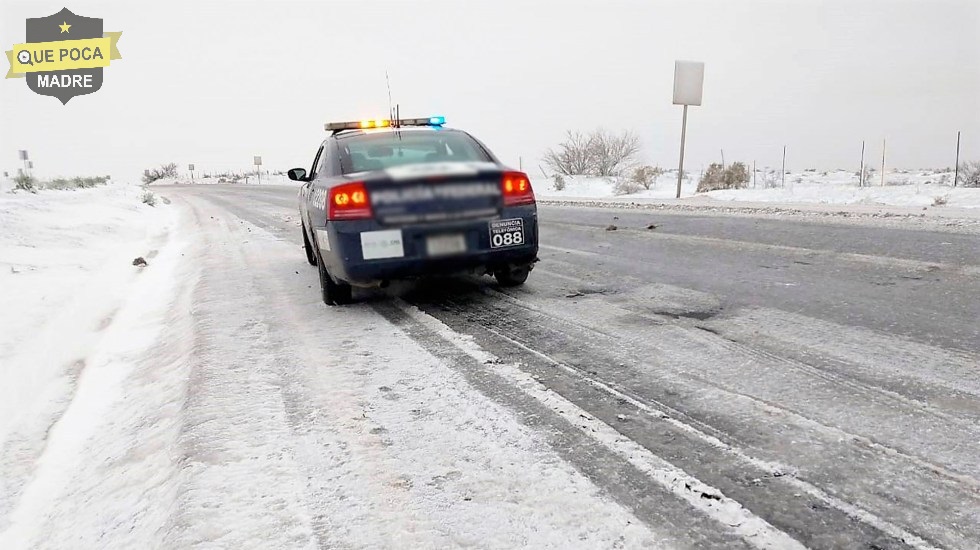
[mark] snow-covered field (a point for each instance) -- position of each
(243, 179)
(916, 188)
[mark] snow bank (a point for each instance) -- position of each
(245, 179)
(77, 316)
(903, 188)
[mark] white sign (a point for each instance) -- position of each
(22, 154)
(257, 161)
(382, 244)
(688, 82)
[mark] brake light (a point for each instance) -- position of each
(516, 189)
(349, 201)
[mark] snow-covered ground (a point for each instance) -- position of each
(240, 179)
(205, 400)
(916, 188)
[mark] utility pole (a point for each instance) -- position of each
(884, 142)
(784, 166)
(956, 170)
(753, 174)
(722, 159)
(861, 170)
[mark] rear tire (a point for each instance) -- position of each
(512, 276)
(334, 294)
(310, 255)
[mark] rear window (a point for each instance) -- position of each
(377, 151)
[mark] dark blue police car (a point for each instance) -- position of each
(398, 199)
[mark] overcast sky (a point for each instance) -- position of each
(214, 83)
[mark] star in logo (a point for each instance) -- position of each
(64, 27)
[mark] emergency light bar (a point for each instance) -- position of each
(384, 123)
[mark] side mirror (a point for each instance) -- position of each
(297, 174)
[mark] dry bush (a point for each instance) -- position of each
(164, 171)
(626, 186)
(969, 174)
(716, 177)
(770, 179)
(599, 153)
(25, 182)
(558, 182)
(646, 176)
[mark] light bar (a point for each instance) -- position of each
(384, 123)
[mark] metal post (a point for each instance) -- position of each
(753, 174)
(883, 144)
(784, 167)
(861, 171)
(956, 170)
(680, 166)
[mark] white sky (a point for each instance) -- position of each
(214, 83)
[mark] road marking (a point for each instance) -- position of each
(568, 250)
(702, 497)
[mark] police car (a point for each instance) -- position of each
(397, 199)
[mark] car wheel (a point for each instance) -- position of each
(310, 255)
(333, 293)
(512, 276)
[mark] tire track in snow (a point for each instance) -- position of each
(700, 497)
(487, 315)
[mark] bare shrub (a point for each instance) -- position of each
(969, 174)
(613, 153)
(864, 176)
(626, 186)
(164, 171)
(148, 198)
(736, 175)
(716, 177)
(599, 153)
(770, 179)
(940, 200)
(25, 182)
(572, 157)
(646, 176)
(558, 181)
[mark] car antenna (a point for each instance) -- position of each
(391, 112)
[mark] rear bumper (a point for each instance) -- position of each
(340, 248)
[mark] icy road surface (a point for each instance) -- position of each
(713, 382)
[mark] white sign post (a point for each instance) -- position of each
(688, 85)
(258, 167)
(22, 154)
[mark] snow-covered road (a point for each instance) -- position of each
(713, 383)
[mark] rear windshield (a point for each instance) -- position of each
(377, 151)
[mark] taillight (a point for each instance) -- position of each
(516, 189)
(349, 201)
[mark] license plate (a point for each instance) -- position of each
(445, 245)
(504, 233)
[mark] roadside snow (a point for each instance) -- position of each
(922, 188)
(244, 179)
(78, 317)
(210, 399)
